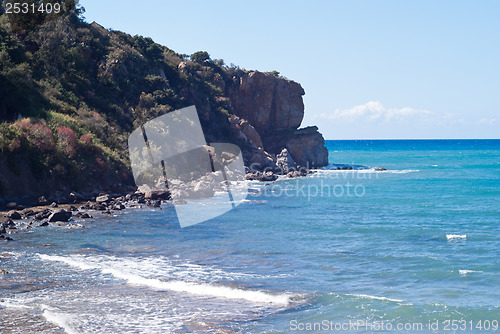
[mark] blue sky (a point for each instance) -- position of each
(370, 69)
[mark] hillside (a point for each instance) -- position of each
(71, 92)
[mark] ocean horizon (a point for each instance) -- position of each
(392, 236)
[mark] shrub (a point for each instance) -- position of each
(68, 141)
(87, 140)
(37, 135)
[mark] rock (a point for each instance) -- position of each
(54, 205)
(11, 206)
(269, 103)
(2, 229)
(258, 159)
(19, 207)
(344, 168)
(60, 216)
(202, 190)
(13, 214)
(73, 208)
(42, 200)
(118, 206)
(285, 162)
(157, 194)
(2, 237)
(76, 197)
(44, 224)
(28, 212)
(268, 177)
(306, 146)
(154, 204)
(42, 214)
(103, 199)
(83, 215)
(380, 169)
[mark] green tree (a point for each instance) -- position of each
(200, 57)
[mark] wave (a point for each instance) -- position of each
(194, 288)
(450, 237)
(465, 272)
(377, 298)
(59, 319)
(367, 171)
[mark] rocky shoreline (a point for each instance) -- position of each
(26, 214)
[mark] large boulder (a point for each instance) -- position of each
(307, 146)
(60, 216)
(13, 214)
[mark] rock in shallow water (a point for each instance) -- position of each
(14, 215)
(60, 216)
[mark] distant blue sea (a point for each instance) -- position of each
(357, 251)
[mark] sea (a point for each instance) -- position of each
(414, 248)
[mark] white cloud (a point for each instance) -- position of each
(487, 121)
(375, 111)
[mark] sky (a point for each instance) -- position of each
(381, 69)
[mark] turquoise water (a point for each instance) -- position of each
(402, 250)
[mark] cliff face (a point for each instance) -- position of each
(275, 108)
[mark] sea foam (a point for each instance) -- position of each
(456, 237)
(194, 288)
(376, 297)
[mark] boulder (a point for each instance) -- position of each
(83, 215)
(103, 199)
(42, 214)
(157, 194)
(60, 216)
(268, 177)
(285, 162)
(13, 214)
(11, 206)
(307, 147)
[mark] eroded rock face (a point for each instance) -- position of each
(274, 108)
(267, 102)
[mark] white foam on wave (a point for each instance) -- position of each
(194, 288)
(377, 298)
(49, 313)
(68, 261)
(465, 271)
(59, 319)
(201, 289)
(320, 172)
(10, 304)
(456, 237)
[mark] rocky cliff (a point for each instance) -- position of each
(72, 92)
(273, 106)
